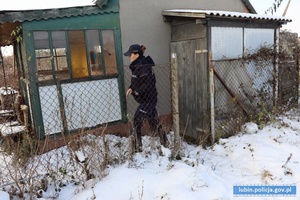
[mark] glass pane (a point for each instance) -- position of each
(78, 54)
(95, 52)
(43, 57)
(109, 51)
(41, 40)
(59, 55)
(59, 39)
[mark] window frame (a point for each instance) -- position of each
(103, 75)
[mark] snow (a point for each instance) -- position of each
(11, 128)
(7, 91)
(249, 128)
(5, 130)
(80, 156)
(260, 157)
(4, 196)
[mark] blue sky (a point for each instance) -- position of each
(293, 12)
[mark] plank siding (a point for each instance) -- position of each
(190, 43)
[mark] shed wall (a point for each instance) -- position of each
(142, 22)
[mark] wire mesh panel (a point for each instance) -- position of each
(242, 89)
(158, 103)
(76, 158)
(288, 69)
(81, 104)
(288, 81)
(162, 74)
(90, 103)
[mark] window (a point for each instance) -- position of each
(102, 57)
(97, 65)
(51, 62)
(78, 54)
(91, 54)
(42, 52)
(59, 55)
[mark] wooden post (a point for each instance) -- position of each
(212, 97)
(24, 108)
(175, 107)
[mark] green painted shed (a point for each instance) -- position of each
(63, 55)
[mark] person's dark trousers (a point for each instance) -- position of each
(148, 111)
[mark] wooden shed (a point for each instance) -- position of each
(201, 38)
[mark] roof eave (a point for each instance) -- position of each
(222, 15)
(183, 14)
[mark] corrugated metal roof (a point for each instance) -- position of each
(30, 15)
(213, 13)
(47, 4)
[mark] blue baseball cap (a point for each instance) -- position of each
(135, 48)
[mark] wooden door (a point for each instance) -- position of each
(193, 86)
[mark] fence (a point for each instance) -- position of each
(95, 104)
(75, 158)
(242, 89)
(249, 89)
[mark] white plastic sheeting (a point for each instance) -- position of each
(86, 104)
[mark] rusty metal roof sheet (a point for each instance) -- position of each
(30, 15)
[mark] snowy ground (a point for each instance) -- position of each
(267, 157)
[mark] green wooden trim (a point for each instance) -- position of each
(33, 86)
(68, 55)
(51, 55)
(62, 107)
(78, 80)
(101, 21)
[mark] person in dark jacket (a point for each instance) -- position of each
(144, 91)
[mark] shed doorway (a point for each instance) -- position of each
(193, 88)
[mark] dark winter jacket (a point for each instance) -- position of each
(143, 80)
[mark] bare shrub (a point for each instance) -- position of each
(22, 168)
